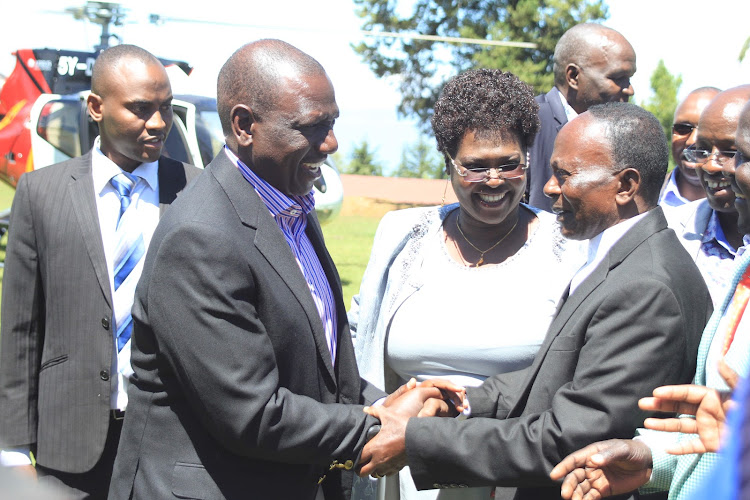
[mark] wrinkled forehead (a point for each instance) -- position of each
(583, 144)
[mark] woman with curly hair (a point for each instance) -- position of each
(468, 290)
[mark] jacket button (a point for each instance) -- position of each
(104, 374)
(105, 323)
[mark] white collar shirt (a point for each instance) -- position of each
(145, 198)
(570, 113)
(599, 247)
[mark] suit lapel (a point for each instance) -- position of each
(654, 221)
(81, 192)
(270, 242)
(558, 111)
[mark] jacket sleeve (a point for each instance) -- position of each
(22, 335)
(633, 341)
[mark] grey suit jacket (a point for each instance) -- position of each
(234, 394)
(56, 344)
(552, 118)
(634, 324)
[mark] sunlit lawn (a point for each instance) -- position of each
(349, 239)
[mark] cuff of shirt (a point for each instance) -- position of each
(664, 464)
(14, 457)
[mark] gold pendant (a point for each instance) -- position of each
(481, 260)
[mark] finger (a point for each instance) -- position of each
(687, 447)
(688, 393)
(571, 482)
(575, 460)
(730, 376)
(442, 383)
(667, 406)
(434, 408)
(684, 425)
(376, 411)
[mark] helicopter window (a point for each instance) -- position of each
(59, 124)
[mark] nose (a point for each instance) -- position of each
(711, 166)
(552, 188)
(628, 91)
(329, 144)
(156, 121)
(691, 138)
(493, 178)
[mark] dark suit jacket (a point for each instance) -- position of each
(634, 324)
(234, 394)
(57, 344)
(552, 118)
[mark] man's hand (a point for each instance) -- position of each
(411, 384)
(451, 402)
(602, 469)
(385, 454)
(709, 406)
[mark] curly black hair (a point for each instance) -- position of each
(488, 102)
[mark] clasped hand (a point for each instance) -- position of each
(385, 454)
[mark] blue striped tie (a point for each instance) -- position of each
(128, 258)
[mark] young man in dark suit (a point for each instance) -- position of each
(631, 321)
(592, 65)
(78, 232)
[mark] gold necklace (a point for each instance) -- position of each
(481, 253)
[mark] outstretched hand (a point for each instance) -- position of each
(709, 406)
(602, 469)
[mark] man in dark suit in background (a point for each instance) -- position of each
(632, 321)
(592, 65)
(73, 257)
(245, 383)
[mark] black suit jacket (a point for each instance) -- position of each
(634, 324)
(56, 344)
(234, 394)
(552, 118)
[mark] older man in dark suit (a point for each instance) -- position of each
(78, 232)
(592, 65)
(246, 384)
(631, 321)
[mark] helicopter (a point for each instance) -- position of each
(44, 118)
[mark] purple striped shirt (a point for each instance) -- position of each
(290, 214)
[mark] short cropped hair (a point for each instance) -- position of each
(109, 58)
(637, 141)
(252, 74)
(574, 47)
(488, 102)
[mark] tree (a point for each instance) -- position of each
(663, 101)
(422, 66)
(362, 161)
(421, 160)
(744, 49)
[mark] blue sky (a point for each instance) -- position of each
(698, 39)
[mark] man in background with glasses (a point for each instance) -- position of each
(708, 228)
(682, 184)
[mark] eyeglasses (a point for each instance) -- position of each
(683, 128)
(695, 155)
(508, 171)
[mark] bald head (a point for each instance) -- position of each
(112, 58)
(254, 74)
(724, 107)
(579, 43)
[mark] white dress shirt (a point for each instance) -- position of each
(145, 198)
(570, 113)
(599, 247)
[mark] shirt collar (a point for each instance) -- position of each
(570, 113)
(714, 231)
(103, 169)
(600, 244)
(671, 196)
(278, 203)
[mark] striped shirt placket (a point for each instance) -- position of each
(290, 214)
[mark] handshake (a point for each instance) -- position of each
(385, 454)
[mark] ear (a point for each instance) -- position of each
(242, 120)
(572, 71)
(94, 105)
(630, 182)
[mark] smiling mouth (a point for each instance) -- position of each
(718, 185)
(491, 198)
(313, 168)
